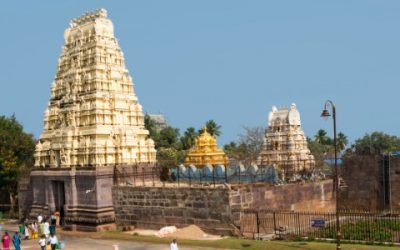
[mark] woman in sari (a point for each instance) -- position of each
(16, 241)
(6, 241)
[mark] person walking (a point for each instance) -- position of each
(41, 228)
(39, 218)
(53, 241)
(42, 242)
(174, 245)
(6, 241)
(46, 229)
(16, 241)
(34, 227)
(26, 231)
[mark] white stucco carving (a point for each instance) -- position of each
(285, 144)
(92, 98)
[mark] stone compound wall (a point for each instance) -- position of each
(215, 210)
(363, 176)
(155, 207)
(395, 183)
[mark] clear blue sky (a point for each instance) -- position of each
(224, 60)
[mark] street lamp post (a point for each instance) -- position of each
(325, 113)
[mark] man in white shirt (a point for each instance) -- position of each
(46, 228)
(174, 245)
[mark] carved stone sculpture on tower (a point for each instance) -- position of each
(93, 117)
(285, 145)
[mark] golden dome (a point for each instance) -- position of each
(206, 151)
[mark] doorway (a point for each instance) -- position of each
(59, 199)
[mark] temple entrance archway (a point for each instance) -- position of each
(59, 198)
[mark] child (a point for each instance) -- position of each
(42, 242)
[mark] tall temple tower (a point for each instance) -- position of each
(93, 130)
(93, 117)
(285, 145)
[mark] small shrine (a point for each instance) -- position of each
(285, 144)
(206, 152)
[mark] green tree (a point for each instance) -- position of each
(150, 125)
(168, 138)
(322, 138)
(341, 142)
(318, 151)
(189, 138)
(16, 154)
(168, 158)
(238, 152)
(213, 128)
(376, 143)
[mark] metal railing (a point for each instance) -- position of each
(355, 225)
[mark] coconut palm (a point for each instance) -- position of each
(341, 141)
(213, 128)
(189, 137)
(321, 137)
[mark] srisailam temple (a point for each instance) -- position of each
(93, 128)
(206, 152)
(96, 165)
(285, 144)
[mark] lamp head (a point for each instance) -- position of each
(325, 114)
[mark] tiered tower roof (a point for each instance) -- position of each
(285, 145)
(206, 152)
(93, 117)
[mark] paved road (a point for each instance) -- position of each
(78, 243)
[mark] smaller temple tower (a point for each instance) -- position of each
(285, 145)
(206, 152)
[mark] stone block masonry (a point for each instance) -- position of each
(155, 207)
(371, 184)
(215, 210)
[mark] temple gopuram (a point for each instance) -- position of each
(206, 152)
(93, 129)
(285, 144)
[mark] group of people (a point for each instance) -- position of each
(31, 231)
(6, 240)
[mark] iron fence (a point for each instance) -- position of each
(355, 225)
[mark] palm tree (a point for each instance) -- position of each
(321, 137)
(341, 142)
(189, 137)
(213, 128)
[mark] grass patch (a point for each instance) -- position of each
(229, 243)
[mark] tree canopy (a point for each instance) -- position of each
(212, 128)
(16, 152)
(376, 143)
(171, 146)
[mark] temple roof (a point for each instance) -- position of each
(206, 151)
